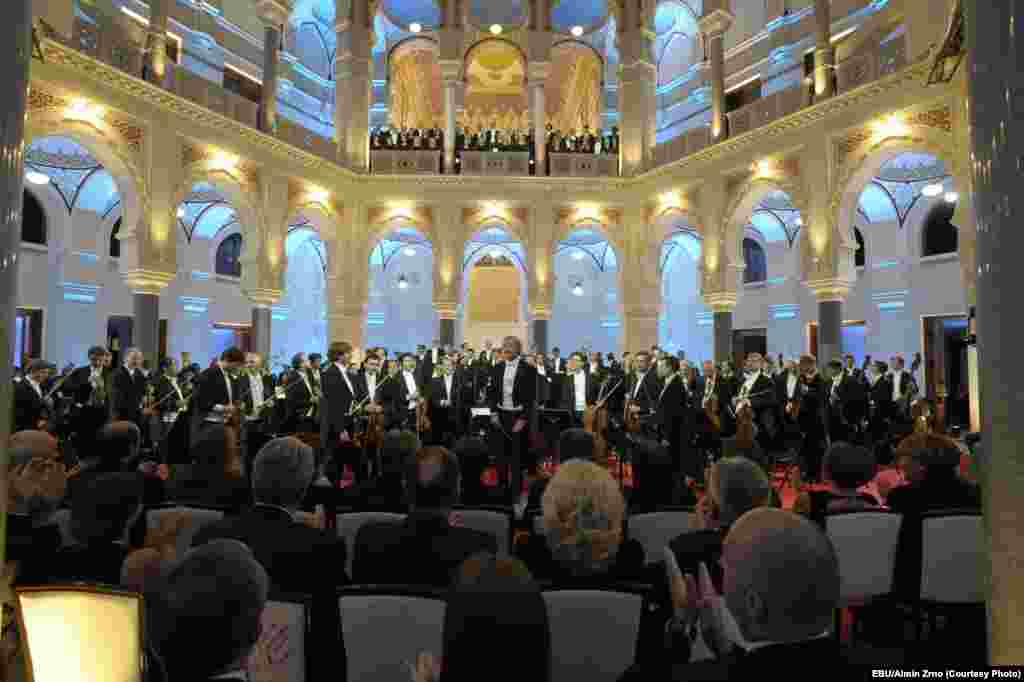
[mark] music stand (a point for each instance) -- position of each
(553, 422)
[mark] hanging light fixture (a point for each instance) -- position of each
(577, 255)
(952, 197)
(932, 190)
(578, 289)
(403, 283)
(409, 251)
(37, 178)
(496, 29)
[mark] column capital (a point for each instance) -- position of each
(538, 72)
(721, 301)
(830, 289)
(347, 311)
(446, 310)
(451, 70)
(274, 13)
(642, 311)
(142, 281)
(716, 22)
(262, 297)
(540, 311)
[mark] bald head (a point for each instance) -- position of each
(781, 576)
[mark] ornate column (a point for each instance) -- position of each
(274, 14)
(541, 276)
(449, 89)
(824, 53)
(640, 323)
(156, 41)
(264, 260)
(641, 284)
(830, 326)
(261, 324)
(16, 52)
(721, 306)
(348, 279)
(713, 25)
(448, 248)
(539, 115)
(722, 264)
(353, 72)
(637, 82)
(995, 52)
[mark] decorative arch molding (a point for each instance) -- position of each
(513, 221)
(668, 221)
(58, 221)
(467, 56)
(381, 220)
(568, 225)
(743, 201)
(859, 157)
(573, 43)
(409, 44)
(239, 194)
(120, 159)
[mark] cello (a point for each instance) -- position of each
(596, 422)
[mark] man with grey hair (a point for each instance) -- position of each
(128, 388)
(298, 554)
(205, 618)
(511, 397)
(36, 486)
(735, 485)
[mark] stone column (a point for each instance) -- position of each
(353, 69)
(637, 84)
(446, 315)
(539, 118)
(345, 322)
(995, 53)
(830, 331)
(824, 53)
(449, 86)
(146, 326)
(261, 331)
(640, 326)
(447, 332)
(722, 335)
(16, 15)
(539, 317)
(156, 40)
(713, 26)
(274, 14)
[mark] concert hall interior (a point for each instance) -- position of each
(358, 282)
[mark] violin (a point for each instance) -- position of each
(233, 462)
(631, 417)
(713, 409)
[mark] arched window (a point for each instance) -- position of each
(115, 243)
(33, 221)
(860, 256)
(939, 235)
(755, 261)
(228, 253)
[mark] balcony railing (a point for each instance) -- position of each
(765, 110)
(405, 161)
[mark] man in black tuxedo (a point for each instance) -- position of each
(758, 392)
(848, 399)
(297, 553)
(672, 412)
(430, 359)
(426, 548)
(31, 411)
(446, 396)
(512, 397)
(129, 389)
(643, 387)
(217, 391)
(812, 420)
(89, 389)
(881, 405)
(340, 390)
(556, 365)
(578, 388)
(300, 395)
(405, 392)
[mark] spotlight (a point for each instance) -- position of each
(932, 190)
(577, 31)
(409, 251)
(37, 178)
(496, 29)
(952, 197)
(415, 27)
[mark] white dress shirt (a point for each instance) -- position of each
(579, 379)
(371, 385)
(344, 375)
(639, 383)
(790, 385)
(558, 365)
(448, 389)
(256, 389)
(709, 389)
(748, 385)
(410, 386)
(896, 375)
(36, 387)
(508, 385)
(227, 382)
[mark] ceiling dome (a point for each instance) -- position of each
(484, 13)
(588, 14)
(402, 13)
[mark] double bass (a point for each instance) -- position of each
(596, 422)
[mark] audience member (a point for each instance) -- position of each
(573, 444)
(36, 486)
(583, 512)
(426, 548)
(205, 618)
(387, 491)
(473, 457)
(494, 600)
(297, 557)
(211, 480)
(847, 468)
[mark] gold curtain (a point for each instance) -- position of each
(410, 94)
(581, 96)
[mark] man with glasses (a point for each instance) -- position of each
(511, 396)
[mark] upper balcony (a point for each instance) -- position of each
(226, 82)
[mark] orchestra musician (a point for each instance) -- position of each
(810, 411)
(89, 388)
(128, 389)
(446, 398)
(169, 400)
(881, 404)
(672, 418)
(217, 391)
(31, 409)
(848, 400)
(642, 386)
(904, 389)
(579, 388)
(300, 397)
(758, 393)
(340, 390)
(405, 393)
(512, 396)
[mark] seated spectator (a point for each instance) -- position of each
(386, 492)
(211, 480)
(493, 600)
(654, 481)
(204, 620)
(426, 548)
(583, 513)
(572, 444)
(780, 591)
(735, 486)
(116, 449)
(298, 554)
(473, 457)
(847, 468)
(36, 487)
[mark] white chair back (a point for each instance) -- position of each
(593, 633)
(384, 632)
(952, 552)
(196, 518)
(865, 545)
(488, 521)
(349, 525)
(280, 654)
(655, 530)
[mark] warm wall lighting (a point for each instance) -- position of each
(932, 190)
(952, 197)
(670, 199)
(494, 208)
(891, 126)
(181, 212)
(83, 110)
(319, 195)
(764, 168)
(577, 31)
(415, 27)
(588, 210)
(496, 29)
(37, 178)
(223, 161)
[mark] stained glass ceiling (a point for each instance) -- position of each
(205, 212)
(76, 175)
(776, 219)
(683, 241)
(588, 243)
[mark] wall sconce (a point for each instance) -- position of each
(223, 161)
(764, 168)
(415, 27)
(403, 283)
(83, 110)
(81, 632)
(318, 195)
(671, 199)
(496, 29)
(37, 178)
(891, 126)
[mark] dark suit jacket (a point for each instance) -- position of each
(422, 550)
(647, 397)
(298, 397)
(398, 393)
(212, 390)
(568, 390)
(162, 388)
(813, 417)
(763, 400)
(438, 392)
(127, 392)
(881, 397)
(670, 409)
(524, 391)
(29, 407)
(297, 558)
(336, 403)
